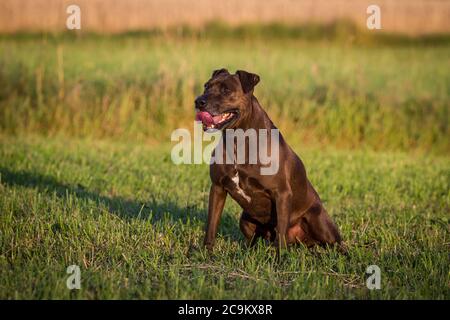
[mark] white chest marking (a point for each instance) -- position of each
(241, 192)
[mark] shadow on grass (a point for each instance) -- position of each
(124, 208)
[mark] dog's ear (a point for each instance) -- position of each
(248, 80)
(219, 71)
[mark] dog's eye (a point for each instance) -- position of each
(224, 90)
(206, 86)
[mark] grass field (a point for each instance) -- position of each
(141, 87)
(86, 176)
(133, 222)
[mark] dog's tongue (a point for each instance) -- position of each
(206, 118)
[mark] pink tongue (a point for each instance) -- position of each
(206, 118)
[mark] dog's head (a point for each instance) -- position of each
(226, 99)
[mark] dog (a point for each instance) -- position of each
(282, 208)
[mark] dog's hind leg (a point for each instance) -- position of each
(297, 235)
(318, 225)
(252, 229)
(249, 229)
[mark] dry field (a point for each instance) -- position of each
(411, 17)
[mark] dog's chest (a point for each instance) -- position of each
(236, 187)
(246, 191)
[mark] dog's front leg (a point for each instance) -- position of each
(217, 196)
(283, 205)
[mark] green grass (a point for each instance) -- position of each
(86, 176)
(330, 91)
(133, 222)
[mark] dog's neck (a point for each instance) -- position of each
(257, 118)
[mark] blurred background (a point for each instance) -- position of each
(406, 16)
(134, 68)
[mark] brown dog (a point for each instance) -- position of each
(282, 207)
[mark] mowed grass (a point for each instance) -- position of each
(86, 176)
(133, 222)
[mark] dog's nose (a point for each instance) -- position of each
(200, 102)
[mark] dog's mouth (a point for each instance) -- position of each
(216, 122)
